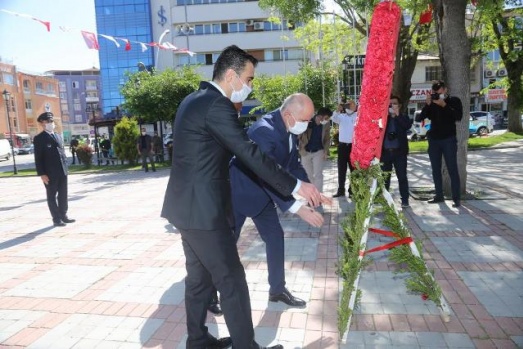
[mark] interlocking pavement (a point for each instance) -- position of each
(115, 278)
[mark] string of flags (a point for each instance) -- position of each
(91, 39)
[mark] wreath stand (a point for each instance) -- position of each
(421, 281)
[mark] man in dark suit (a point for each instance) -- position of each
(197, 202)
(51, 166)
(396, 147)
(277, 136)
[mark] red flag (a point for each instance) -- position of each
(90, 40)
(47, 24)
(426, 16)
(127, 45)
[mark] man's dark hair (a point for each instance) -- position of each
(437, 84)
(324, 111)
(396, 98)
(232, 57)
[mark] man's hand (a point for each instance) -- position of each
(309, 192)
(310, 216)
(325, 200)
(440, 102)
(45, 179)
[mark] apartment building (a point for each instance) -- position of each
(79, 101)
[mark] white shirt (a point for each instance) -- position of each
(346, 123)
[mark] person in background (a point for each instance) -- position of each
(396, 147)
(144, 145)
(314, 146)
(157, 147)
(105, 145)
(345, 117)
(198, 203)
(443, 111)
(72, 147)
(51, 166)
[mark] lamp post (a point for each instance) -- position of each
(91, 108)
(7, 97)
(345, 77)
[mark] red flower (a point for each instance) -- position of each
(377, 84)
(424, 297)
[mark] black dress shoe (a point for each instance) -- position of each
(287, 298)
(221, 343)
(257, 346)
(456, 204)
(58, 224)
(68, 220)
(215, 309)
(436, 200)
(338, 195)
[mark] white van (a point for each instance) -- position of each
(5, 149)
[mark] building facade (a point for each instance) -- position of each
(79, 101)
(29, 96)
(131, 20)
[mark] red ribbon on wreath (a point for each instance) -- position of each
(377, 84)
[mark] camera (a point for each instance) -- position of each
(434, 96)
(392, 136)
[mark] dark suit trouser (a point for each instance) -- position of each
(344, 150)
(271, 232)
(448, 149)
(398, 159)
(57, 185)
(212, 259)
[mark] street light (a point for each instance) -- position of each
(7, 97)
(90, 108)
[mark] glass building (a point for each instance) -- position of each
(121, 19)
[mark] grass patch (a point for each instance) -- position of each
(73, 169)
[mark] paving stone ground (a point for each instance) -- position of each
(115, 278)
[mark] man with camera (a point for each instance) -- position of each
(443, 111)
(396, 147)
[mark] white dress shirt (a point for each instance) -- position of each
(346, 122)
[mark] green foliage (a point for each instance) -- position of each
(126, 133)
(156, 97)
(272, 90)
(85, 155)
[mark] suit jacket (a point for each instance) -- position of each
(148, 143)
(325, 138)
(207, 134)
(250, 194)
(50, 158)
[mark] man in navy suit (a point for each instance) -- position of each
(51, 166)
(276, 134)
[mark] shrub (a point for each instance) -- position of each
(126, 133)
(85, 154)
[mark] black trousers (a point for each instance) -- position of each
(56, 192)
(398, 159)
(344, 150)
(212, 260)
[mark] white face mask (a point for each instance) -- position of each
(442, 96)
(242, 94)
(324, 122)
(391, 110)
(143, 133)
(49, 127)
(299, 127)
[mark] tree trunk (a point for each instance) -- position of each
(455, 52)
(514, 98)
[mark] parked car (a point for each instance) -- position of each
(419, 128)
(26, 149)
(167, 139)
(481, 123)
(5, 149)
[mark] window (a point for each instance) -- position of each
(27, 86)
(28, 104)
(91, 85)
(50, 89)
(433, 73)
(39, 87)
(8, 79)
(65, 108)
(63, 96)
(76, 84)
(78, 118)
(62, 86)
(77, 107)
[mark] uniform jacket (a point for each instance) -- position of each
(207, 134)
(50, 158)
(325, 138)
(251, 194)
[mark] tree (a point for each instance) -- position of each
(156, 97)
(503, 31)
(455, 53)
(126, 133)
(412, 38)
